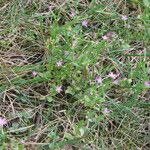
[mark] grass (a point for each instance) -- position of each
(76, 104)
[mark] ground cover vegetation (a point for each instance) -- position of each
(75, 74)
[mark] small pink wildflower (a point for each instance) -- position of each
(74, 43)
(85, 23)
(58, 89)
(105, 37)
(116, 82)
(59, 63)
(111, 34)
(98, 79)
(112, 75)
(147, 84)
(50, 8)
(124, 17)
(3, 122)
(66, 53)
(72, 14)
(22, 142)
(106, 111)
(34, 73)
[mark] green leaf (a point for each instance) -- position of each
(69, 136)
(81, 131)
(146, 3)
(49, 99)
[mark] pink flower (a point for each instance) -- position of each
(50, 8)
(58, 89)
(66, 53)
(85, 23)
(111, 34)
(124, 17)
(59, 63)
(34, 73)
(72, 14)
(112, 75)
(105, 37)
(74, 43)
(106, 111)
(116, 82)
(147, 84)
(3, 122)
(98, 79)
